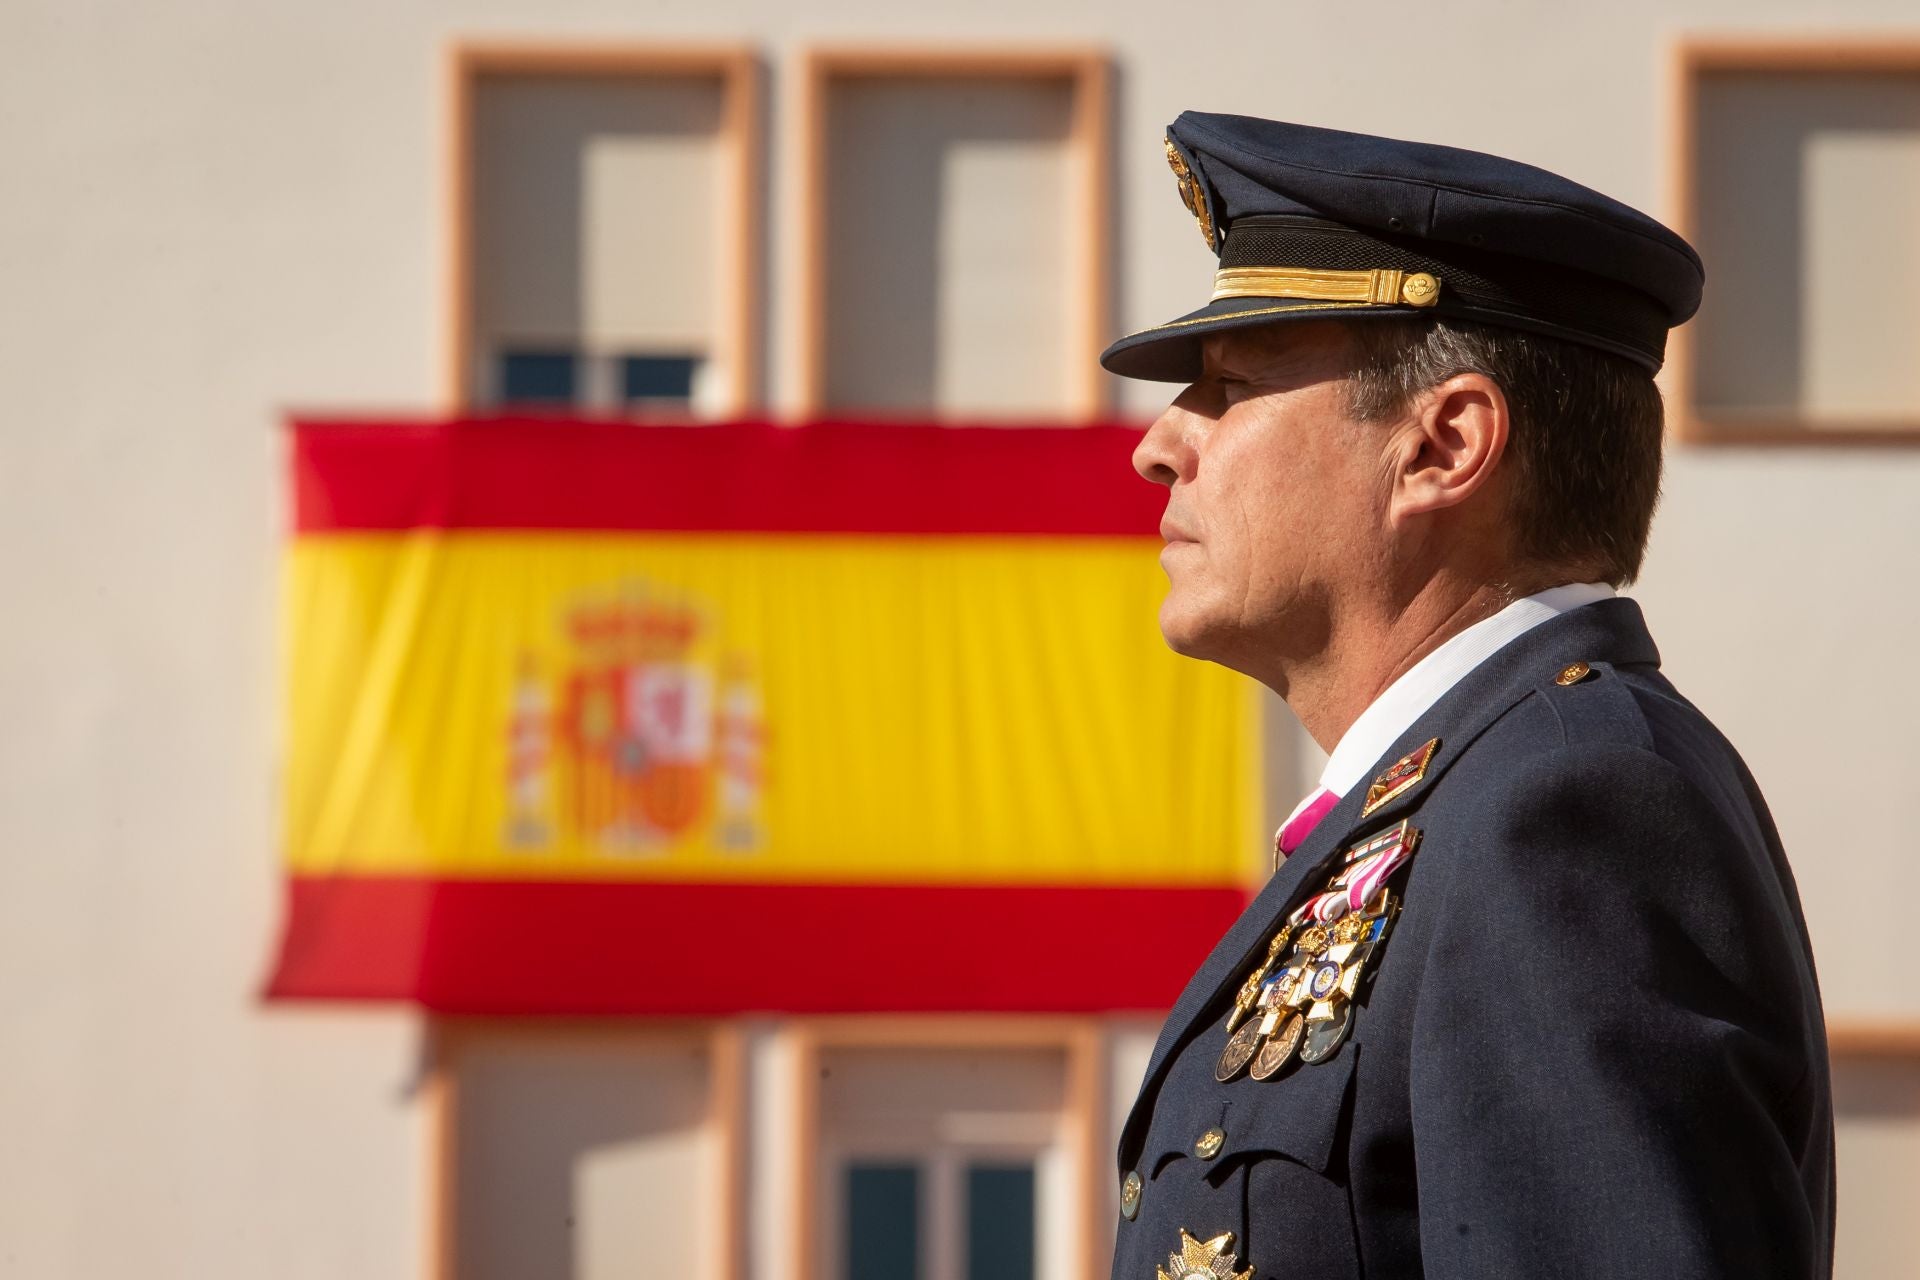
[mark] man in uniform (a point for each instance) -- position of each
(1529, 992)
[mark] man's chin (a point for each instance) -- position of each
(1212, 635)
(1187, 633)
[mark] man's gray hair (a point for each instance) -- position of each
(1587, 429)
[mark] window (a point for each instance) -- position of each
(1800, 185)
(989, 1233)
(658, 379)
(949, 1149)
(606, 230)
(1876, 1116)
(882, 1236)
(562, 1149)
(545, 378)
(1000, 1221)
(956, 247)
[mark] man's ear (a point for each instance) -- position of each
(1450, 448)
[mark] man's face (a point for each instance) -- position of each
(1276, 499)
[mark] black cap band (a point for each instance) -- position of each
(1475, 284)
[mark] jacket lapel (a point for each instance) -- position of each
(1609, 631)
(1251, 931)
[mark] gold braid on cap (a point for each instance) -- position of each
(1381, 287)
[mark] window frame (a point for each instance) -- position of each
(736, 68)
(1088, 72)
(1694, 58)
(723, 1044)
(1864, 1040)
(1082, 1119)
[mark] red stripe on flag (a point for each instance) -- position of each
(581, 947)
(518, 473)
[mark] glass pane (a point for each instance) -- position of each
(1000, 1222)
(657, 377)
(883, 1222)
(537, 377)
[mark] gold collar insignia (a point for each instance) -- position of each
(1403, 776)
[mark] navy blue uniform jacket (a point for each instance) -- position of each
(1592, 1044)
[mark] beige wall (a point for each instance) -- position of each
(213, 212)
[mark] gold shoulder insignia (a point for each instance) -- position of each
(1203, 1260)
(1402, 777)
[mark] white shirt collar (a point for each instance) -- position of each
(1407, 699)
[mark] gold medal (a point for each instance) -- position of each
(1248, 996)
(1323, 979)
(1354, 970)
(1307, 1007)
(1351, 927)
(1239, 1051)
(1278, 1049)
(1244, 999)
(1203, 1260)
(1325, 1035)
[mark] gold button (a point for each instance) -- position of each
(1420, 290)
(1130, 1196)
(1574, 674)
(1210, 1143)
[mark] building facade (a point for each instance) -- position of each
(224, 216)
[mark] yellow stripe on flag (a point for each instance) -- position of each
(743, 707)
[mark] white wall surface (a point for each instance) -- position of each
(213, 210)
(1777, 594)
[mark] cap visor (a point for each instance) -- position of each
(1170, 352)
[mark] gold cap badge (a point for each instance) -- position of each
(1203, 1260)
(1190, 193)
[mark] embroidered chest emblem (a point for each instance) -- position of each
(1304, 1001)
(1401, 777)
(1202, 1260)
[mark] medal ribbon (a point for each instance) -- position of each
(1309, 996)
(1354, 887)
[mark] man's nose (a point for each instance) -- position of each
(1162, 455)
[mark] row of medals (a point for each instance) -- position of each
(1306, 1007)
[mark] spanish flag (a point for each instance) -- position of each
(604, 718)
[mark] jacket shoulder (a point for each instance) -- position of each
(1595, 719)
(1609, 796)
